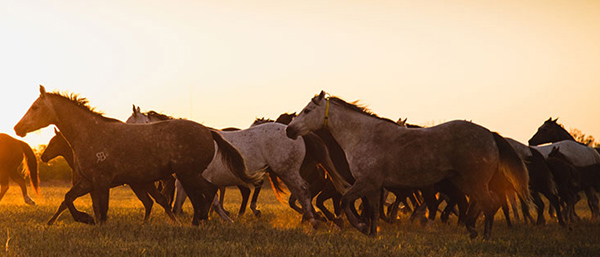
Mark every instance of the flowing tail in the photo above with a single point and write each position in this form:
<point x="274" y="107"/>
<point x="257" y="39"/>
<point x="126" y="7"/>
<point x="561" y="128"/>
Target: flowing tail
<point x="513" y="169"/>
<point x="234" y="160"/>
<point x="277" y="185"/>
<point x="31" y="166"/>
<point x="318" y="150"/>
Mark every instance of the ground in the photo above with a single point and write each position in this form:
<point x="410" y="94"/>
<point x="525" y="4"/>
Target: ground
<point x="278" y="232"/>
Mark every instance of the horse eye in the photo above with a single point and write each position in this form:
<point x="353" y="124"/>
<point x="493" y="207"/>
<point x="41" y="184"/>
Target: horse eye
<point x="306" y="111"/>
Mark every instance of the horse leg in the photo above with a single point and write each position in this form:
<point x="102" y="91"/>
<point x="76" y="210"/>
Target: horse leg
<point x="432" y="202"/>
<point x="374" y="201"/>
<point x="180" y="197"/>
<point x="592" y="199"/>
<point x="142" y="195"/>
<point x="218" y="206"/>
<point x="359" y="189"/>
<point x="191" y="185"/>
<point x="257" y="189"/>
<point x="292" y="203"/>
<point x="161" y="199"/>
<point x="21" y="182"/>
<point x="513" y="205"/>
<point x="245" y="192"/>
<point x="320" y="202"/>
<point x="540" y="206"/>
<point x="506" y="211"/>
<point x="554" y="201"/>
<point x="100" y="196"/>
<point x="75" y="192"/>
<point x="169" y="189"/>
<point x="222" y="199"/>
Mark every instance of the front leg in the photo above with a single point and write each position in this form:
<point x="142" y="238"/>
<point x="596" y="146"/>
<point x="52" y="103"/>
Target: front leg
<point x="75" y="192"/>
<point x="100" y="196"/>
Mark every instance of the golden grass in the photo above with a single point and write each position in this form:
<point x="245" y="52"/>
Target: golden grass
<point x="278" y="232"/>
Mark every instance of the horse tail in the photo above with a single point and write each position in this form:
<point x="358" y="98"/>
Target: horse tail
<point x="513" y="169"/>
<point x="316" y="148"/>
<point x="234" y="160"/>
<point x="278" y="187"/>
<point x="31" y="166"/>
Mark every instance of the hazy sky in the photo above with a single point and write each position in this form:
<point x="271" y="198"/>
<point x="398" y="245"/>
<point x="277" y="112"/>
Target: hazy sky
<point x="507" y="65"/>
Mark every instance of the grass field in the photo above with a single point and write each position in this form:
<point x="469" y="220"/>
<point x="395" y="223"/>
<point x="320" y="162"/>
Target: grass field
<point x="278" y="232"/>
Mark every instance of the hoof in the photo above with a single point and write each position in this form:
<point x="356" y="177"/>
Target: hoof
<point x="315" y="223"/>
<point x="30" y="202"/>
<point x="338" y="221"/>
<point x="363" y="228"/>
<point x="472" y="234"/>
<point x="85" y="218"/>
<point x="257" y="213"/>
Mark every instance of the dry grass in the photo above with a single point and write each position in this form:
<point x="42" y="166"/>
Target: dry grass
<point x="278" y="232"/>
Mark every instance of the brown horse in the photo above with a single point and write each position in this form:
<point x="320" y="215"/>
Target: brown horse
<point x="109" y="152"/>
<point x="12" y="152"/>
<point x="58" y="146"/>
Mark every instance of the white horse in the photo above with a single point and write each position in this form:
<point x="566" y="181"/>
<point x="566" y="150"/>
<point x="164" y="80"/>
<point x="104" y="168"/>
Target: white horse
<point x="264" y="146"/>
<point x="382" y="154"/>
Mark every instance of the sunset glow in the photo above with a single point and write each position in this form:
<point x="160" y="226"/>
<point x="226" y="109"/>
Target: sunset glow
<point x="506" y="65"/>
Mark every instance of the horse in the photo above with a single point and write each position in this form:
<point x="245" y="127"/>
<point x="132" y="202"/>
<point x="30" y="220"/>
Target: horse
<point x="550" y="132"/>
<point x="13" y="153"/>
<point x="266" y="145"/>
<point x="108" y="152"/>
<point x="58" y="146"/>
<point x="567" y="181"/>
<point x="213" y="177"/>
<point x="466" y="153"/>
<point x="320" y="185"/>
<point x="541" y="181"/>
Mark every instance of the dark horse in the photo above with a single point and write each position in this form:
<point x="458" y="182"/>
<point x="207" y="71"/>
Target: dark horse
<point x="109" y="152"/>
<point x="550" y="132"/>
<point x="58" y="146"/>
<point x="12" y="152"/>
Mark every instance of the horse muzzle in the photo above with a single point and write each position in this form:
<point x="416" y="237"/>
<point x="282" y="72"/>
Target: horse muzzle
<point x="19" y="131"/>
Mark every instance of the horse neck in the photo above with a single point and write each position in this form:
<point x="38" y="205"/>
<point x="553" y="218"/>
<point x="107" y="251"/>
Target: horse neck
<point x="350" y="127"/>
<point x="76" y="124"/>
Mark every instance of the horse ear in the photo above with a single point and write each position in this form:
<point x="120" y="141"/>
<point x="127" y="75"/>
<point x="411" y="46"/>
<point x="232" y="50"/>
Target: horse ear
<point x="133" y="108"/>
<point x="55" y="131"/>
<point x="42" y="90"/>
<point x="555" y="120"/>
<point x="321" y="95"/>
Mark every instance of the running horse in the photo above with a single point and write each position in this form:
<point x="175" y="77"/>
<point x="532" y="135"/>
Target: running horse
<point x="463" y="152"/>
<point x="108" y="151"/>
<point x="58" y="146"/>
<point x="12" y="153"/>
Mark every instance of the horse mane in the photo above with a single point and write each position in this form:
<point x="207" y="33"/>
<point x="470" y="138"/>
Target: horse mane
<point x="262" y="120"/>
<point x="159" y="116"/>
<point x="355" y="106"/>
<point x="81" y="102"/>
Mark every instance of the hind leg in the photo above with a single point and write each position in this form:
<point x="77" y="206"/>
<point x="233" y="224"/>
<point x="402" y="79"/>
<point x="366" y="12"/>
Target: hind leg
<point x="142" y="194"/>
<point x="245" y="192"/>
<point x="360" y="188"/>
<point x="23" y="185"/>
<point x="180" y="197"/>
<point x="253" y="206"/>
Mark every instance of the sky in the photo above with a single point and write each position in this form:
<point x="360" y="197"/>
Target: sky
<point x="506" y="65"/>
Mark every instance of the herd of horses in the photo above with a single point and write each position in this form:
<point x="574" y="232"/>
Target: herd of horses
<point x="332" y="149"/>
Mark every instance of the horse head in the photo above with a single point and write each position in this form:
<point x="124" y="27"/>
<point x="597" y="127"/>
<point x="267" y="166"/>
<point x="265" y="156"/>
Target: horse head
<point x="40" y="115"/>
<point x="137" y="116"/>
<point x="313" y="117"/>
<point x="549" y="132"/>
